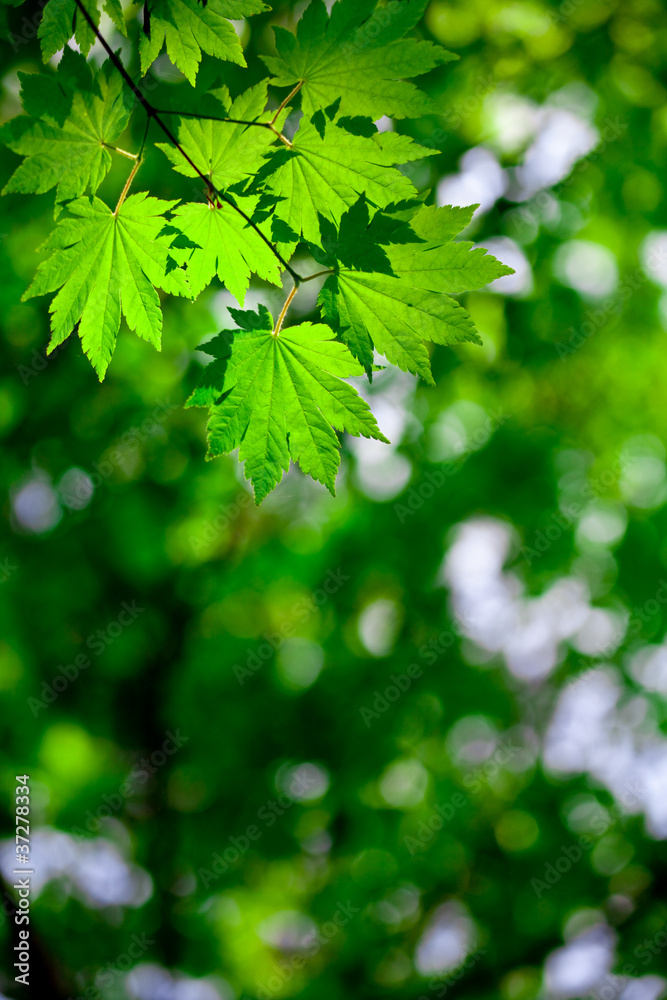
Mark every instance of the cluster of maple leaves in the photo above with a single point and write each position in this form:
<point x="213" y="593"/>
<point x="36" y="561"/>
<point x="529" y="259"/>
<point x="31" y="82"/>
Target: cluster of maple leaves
<point x="275" y="391"/>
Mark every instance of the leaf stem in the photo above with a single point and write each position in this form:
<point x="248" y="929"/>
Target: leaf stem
<point x="318" y="274"/>
<point x="128" y="182"/>
<point x="295" y="289"/>
<point x="123" y="152"/>
<point x="283" y="138"/>
<point x="152" y="113"/>
<point x="283" y="311"/>
<point x="284" y="103"/>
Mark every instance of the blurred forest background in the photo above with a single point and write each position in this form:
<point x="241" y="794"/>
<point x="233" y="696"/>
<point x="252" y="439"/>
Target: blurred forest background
<point x="405" y="742"/>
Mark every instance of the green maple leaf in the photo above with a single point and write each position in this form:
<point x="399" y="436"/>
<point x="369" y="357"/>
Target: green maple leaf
<point x="221" y="242"/>
<point x="115" y="11"/>
<point x="281" y="397"/>
<point x="361" y="242"/>
<point x="106" y="263"/>
<point x="328" y="167"/>
<point x="360" y="55"/>
<point x="189" y="27"/>
<point x="74" y="117"/>
<point x="226" y="153"/>
<point x="49" y="96"/>
<point x="396" y="308"/>
<point x="438" y="264"/>
<point x="62" y="18"/>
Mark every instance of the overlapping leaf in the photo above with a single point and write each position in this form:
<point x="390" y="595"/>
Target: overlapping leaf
<point x="105" y="264"/>
<point x="408" y="300"/>
<point x="277" y="395"/>
<point x="63" y="18"/>
<point x="360" y="55"/>
<point x="281" y="397"/>
<point x="189" y="28"/>
<point x="438" y="264"/>
<point x="328" y="167"/>
<point x="221" y="242"/>
<point x="226" y="153"/>
<point x="71" y="121"/>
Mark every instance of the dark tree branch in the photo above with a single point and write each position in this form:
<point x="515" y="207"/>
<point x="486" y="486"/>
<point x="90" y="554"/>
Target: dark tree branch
<point x="155" y="115"/>
<point x="231" y="121"/>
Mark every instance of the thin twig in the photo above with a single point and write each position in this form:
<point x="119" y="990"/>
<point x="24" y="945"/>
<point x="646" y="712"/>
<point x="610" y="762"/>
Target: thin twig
<point x="283" y="311"/>
<point x="229" y="121"/>
<point x="209" y="118"/>
<point x="140" y="154"/>
<point x="152" y="113"/>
